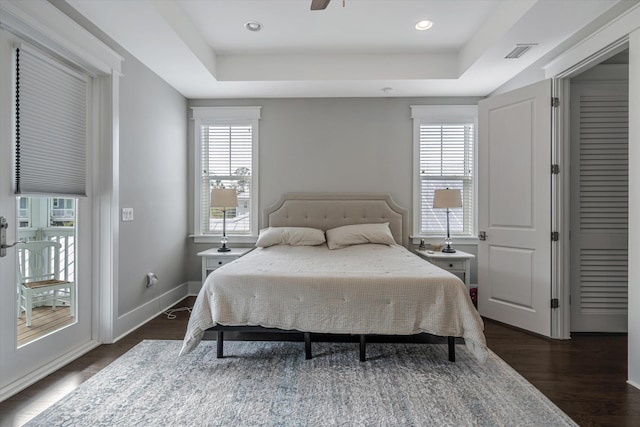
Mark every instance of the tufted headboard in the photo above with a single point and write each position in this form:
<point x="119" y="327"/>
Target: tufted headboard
<point x="329" y="210"/>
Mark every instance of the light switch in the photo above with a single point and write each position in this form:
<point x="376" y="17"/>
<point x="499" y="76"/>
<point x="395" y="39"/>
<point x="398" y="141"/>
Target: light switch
<point x="127" y="214"/>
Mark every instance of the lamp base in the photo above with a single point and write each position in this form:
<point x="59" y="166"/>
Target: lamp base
<point x="448" y="250"/>
<point x="224" y="249"/>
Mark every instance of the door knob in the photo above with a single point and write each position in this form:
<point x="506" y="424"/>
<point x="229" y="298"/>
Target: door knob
<point x="3" y="237"/>
<point x="482" y="235"/>
<point x="13" y="244"/>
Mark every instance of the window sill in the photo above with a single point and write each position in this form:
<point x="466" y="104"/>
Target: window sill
<point x="216" y="239"/>
<point x="457" y="240"/>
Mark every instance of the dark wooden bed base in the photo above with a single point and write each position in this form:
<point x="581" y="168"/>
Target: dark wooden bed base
<point x="220" y="330"/>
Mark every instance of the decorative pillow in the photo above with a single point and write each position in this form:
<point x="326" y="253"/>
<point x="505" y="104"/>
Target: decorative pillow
<point x="341" y="237"/>
<point x="294" y="236"/>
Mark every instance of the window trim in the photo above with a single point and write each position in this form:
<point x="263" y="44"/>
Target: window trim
<point x="228" y="116"/>
<point x="442" y="114"/>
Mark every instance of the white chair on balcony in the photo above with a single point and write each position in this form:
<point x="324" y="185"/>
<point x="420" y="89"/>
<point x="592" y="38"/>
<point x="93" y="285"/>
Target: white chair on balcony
<point x="41" y="281"/>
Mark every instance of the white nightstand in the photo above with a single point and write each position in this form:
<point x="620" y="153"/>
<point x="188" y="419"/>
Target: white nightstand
<point x="212" y="259"/>
<point x="457" y="262"/>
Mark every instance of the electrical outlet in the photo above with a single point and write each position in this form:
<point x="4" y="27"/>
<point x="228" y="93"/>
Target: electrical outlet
<point x="151" y="279"/>
<point x="127" y="214"/>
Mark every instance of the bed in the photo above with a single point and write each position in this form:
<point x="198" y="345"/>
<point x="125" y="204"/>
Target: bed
<point x="344" y="285"/>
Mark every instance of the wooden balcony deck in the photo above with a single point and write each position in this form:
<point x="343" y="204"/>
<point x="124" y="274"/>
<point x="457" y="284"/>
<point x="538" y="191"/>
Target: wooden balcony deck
<point x="43" y="321"/>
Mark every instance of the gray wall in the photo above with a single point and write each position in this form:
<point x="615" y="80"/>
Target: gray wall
<point x="329" y="144"/>
<point x="153" y="178"/>
<point x="153" y="181"/>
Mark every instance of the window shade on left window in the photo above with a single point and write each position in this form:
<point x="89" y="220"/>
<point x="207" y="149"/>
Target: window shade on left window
<point x="50" y="126"/>
<point x="227" y="162"/>
<point x="226" y="149"/>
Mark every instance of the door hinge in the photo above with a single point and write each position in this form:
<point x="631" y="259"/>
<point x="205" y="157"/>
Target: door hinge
<point x="555" y="169"/>
<point x="555" y="303"/>
<point x="555" y="236"/>
<point x="555" y="102"/>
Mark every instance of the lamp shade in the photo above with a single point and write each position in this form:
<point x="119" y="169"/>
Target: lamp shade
<point x="224" y="198"/>
<point x="447" y="198"/>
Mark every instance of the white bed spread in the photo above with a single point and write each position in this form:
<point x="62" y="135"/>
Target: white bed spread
<point x="361" y="289"/>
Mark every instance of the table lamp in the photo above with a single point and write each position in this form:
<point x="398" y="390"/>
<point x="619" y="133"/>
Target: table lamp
<point x="224" y="198"/>
<point x="447" y="198"/>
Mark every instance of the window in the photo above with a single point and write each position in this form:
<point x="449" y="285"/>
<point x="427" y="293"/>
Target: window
<point x="62" y="212"/>
<point x="444" y="157"/>
<point x="44" y="212"/>
<point x="226" y="155"/>
<point x="24" y="212"/>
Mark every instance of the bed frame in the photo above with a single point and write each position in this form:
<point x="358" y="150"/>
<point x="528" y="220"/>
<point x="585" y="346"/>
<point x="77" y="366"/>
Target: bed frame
<point x="325" y="211"/>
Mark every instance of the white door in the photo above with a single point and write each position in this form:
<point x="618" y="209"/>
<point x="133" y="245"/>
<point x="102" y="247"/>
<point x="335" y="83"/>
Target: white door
<point x="23" y="362"/>
<point x="514" y="208"/>
<point x="599" y="206"/>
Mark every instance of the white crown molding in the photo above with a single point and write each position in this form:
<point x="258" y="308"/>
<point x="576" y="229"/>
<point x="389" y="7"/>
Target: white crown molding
<point x="611" y="36"/>
<point x="41" y="23"/>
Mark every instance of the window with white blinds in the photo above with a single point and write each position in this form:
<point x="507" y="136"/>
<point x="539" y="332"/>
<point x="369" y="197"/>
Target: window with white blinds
<point x="51" y="119"/>
<point x="227" y="156"/>
<point x="444" y="147"/>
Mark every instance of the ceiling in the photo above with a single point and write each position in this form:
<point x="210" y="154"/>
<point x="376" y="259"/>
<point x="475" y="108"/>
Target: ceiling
<point x="362" y="48"/>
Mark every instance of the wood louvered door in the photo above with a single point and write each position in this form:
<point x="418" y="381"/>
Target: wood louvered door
<point x="599" y="207"/>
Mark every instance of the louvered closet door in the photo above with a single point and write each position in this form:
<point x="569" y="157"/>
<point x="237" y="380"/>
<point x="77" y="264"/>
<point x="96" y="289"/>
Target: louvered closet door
<point x="599" y="206"/>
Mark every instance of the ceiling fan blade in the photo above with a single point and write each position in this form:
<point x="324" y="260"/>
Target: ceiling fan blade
<point x="319" y="4"/>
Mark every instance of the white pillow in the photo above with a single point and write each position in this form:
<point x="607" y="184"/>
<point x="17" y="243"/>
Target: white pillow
<point x="294" y="236"/>
<point x="341" y="237"/>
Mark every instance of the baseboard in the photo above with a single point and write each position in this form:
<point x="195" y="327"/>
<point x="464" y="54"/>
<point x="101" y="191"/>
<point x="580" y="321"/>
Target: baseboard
<point x="35" y="376"/>
<point x="634" y="384"/>
<point x="137" y="317"/>
<point x="194" y="288"/>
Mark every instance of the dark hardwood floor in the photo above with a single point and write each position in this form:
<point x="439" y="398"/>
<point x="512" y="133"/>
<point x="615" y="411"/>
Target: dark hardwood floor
<point x="584" y="376"/>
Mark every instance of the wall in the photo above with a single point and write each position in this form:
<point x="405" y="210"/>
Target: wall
<point x="153" y="180"/>
<point x="329" y="144"/>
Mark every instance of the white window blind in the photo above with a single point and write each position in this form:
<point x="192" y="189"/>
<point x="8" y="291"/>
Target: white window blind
<point x="445" y="159"/>
<point x="226" y="163"/>
<point x="227" y="153"/>
<point x="51" y="126"/>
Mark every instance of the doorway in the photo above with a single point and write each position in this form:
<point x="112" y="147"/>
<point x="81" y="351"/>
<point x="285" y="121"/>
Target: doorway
<point x="598" y="261"/>
<point x="46" y="265"/>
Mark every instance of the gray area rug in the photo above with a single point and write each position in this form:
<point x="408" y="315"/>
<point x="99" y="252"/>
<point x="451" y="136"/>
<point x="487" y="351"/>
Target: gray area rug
<point x="271" y="383"/>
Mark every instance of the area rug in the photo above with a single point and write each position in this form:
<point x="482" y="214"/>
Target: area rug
<point x="271" y="384"/>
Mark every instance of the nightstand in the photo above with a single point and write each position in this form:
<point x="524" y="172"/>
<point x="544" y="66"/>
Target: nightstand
<point x="457" y="262"/>
<point x="212" y="259"/>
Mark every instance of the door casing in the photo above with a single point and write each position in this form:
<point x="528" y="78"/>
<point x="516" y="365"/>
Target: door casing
<point x="47" y="25"/>
<point x="561" y="191"/>
<point x="514" y="148"/>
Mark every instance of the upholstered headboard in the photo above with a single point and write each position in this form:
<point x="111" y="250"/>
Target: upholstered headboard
<point x="329" y="210"/>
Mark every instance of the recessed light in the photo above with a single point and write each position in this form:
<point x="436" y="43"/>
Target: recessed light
<point x="424" y="25"/>
<point x="253" y="26"/>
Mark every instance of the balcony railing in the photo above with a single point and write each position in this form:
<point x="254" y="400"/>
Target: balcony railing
<point x="63" y="213"/>
<point x="67" y="239"/>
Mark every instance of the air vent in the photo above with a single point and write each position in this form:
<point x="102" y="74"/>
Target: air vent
<point x="519" y="50"/>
